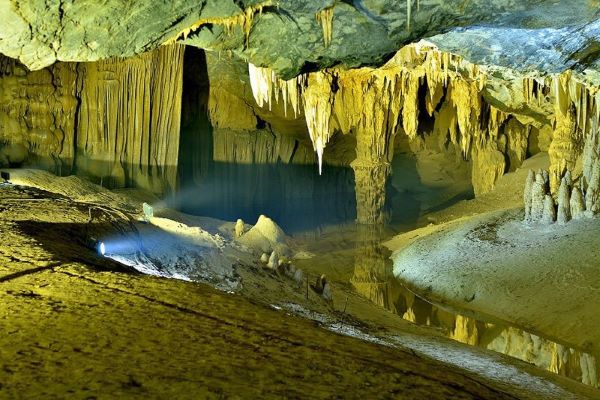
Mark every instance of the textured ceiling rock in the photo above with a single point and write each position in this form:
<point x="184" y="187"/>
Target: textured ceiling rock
<point x="286" y="35"/>
<point x="548" y="49"/>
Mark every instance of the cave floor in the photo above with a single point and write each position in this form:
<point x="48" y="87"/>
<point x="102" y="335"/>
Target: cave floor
<point x="78" y="325"/>
<point x="480" y="257"/>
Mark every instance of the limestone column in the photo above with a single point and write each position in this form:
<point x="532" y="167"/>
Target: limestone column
<point x="372" y="168"/>
<point x="564" y="149"/>
<point x="373" y="277"/>
<point x="370" y="179"/>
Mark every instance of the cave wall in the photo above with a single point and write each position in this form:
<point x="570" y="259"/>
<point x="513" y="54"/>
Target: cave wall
<point x="238" y="160"/>
<point x="492" y="117"/>
<point x="243" y="132"/>
<point x="37" y="115"/>
<point x="116" y="121"/>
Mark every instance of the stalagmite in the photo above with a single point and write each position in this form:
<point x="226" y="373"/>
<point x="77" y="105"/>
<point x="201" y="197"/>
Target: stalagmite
<point x="239" y="228"/>
<point x="273" y="261"/>
<point x="327" y="293"/>
<point x="320" y="284"/>
<point x="592" y="195"/>
<point x="549" y="213"/>
<point x="299" y="277"/>
<point x="527" y="194"/>
<point x="577" y="204"/>
<point x="564" y="202"/>
<point x="538" y="195"/>
<point x="568" y="178"/>
<point x="290" y="270"/>
<point x="546" y="176"/>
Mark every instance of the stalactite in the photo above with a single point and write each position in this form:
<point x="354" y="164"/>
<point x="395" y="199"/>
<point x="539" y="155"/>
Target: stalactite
<point x="266" y="87"/>
<point x="318" y="105"/>
<point x="576" y="114"/>
<point x="375" y="103"/>
<point x="129" y="118"/>
<point x="325" y="18"/>
<point x="244" y="20"/>
<point x="116" y="120"/>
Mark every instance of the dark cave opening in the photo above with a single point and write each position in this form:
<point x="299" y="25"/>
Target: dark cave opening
<point x="294" y="195"/>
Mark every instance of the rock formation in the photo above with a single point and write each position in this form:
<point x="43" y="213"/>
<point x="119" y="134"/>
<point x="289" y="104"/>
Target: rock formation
<point x="577" y="204"/>
<point x="592" y="195"/>
<point x="463" y="99"/>
<point x="239" y="228"/>
<point x="549" y="212"/>
<point x="570" y="200"/>
<point x="116" y="121"/>
<point x="492" y="115"/>
<point x="324" y="33"/>
<point x="529" y="182"/>
<point x="273" y="262"/>
<point x="564" y="202"/>
<point x="538" y="197"/>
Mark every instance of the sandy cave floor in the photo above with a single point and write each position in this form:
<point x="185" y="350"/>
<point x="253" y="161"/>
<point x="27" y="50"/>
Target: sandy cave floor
<point x="77" y="324"/>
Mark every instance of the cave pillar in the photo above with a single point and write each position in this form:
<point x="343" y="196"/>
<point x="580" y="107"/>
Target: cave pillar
<point x="373" y="276"/>
<point x="370" y="179"/>
<point x="372" y="168"/>
<point x="564" y="149"/>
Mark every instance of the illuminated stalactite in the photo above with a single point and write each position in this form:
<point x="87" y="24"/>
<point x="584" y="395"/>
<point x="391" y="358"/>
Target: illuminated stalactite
<point x="243" y="20"/>
<point x="266" y="87"/>
<point x="114" y="120"/>
<point x="318" y="106"/>
<point x="376" y="103"/>
<point x="325" y="18"/>
<point x="129" y="119"/>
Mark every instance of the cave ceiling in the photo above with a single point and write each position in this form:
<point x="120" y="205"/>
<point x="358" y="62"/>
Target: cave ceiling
<point x="291" y="36"/>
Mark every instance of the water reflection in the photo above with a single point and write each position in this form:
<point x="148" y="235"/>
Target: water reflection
<point x="373" y="279"/>
<point x="293" y="195"/>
